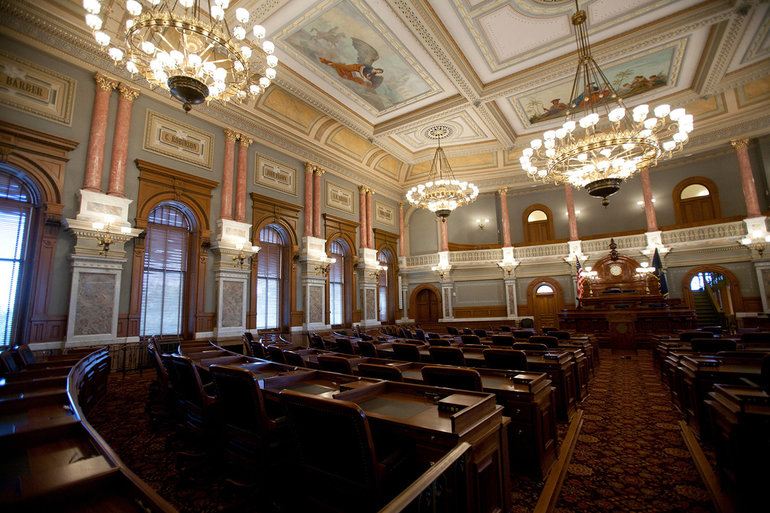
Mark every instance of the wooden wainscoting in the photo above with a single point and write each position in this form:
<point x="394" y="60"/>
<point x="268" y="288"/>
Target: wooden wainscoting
<point x="471" y="312"/>
<point x="752" y="304"/>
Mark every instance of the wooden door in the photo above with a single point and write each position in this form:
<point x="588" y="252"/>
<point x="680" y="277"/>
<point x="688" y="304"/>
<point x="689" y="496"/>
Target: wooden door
<point x="426" y="307"/>
<point x="545" y="309"/>
<point x="697" y="209"/>
<point x="538" y="231"/>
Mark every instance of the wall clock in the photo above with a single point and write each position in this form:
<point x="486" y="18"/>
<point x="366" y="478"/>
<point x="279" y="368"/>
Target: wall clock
<point x="616" y="270"/>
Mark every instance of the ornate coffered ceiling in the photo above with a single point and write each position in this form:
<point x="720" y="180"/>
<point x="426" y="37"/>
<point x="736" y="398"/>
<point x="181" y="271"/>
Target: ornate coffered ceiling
<point x="360" y="81"/>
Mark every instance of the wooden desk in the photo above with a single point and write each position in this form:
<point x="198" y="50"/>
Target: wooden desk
<point x="412" y="411"/>
<point x="742" y="440"/>
<point x="532" y="436"/>
<point x="627" y="327"/>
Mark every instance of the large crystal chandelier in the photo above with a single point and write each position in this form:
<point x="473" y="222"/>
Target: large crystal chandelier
<point x="442" y="193"/>
<point x="189" y="50"/>
<point x="598" y="152"/>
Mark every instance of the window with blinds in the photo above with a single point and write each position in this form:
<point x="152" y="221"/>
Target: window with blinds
<point x="337" y="283"/>
<point x="15" y="210"/>
<point x="384" y="258"/>
<point x="165" y="266"/>
<point x="269" y="266"/>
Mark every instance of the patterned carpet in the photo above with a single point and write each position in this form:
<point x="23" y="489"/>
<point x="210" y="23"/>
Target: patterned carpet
<point x="630" y="455"/>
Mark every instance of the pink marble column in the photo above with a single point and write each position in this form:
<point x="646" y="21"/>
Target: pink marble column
<point x="401" y="234"/>
<point x="96" y="140"/>
<point x="573" y="233"/>
<point x="444" y="235"/>
<point x="506" y="222"/>
<point x="227" y="175"/>
<point x="240" y="182"/>
<point x="120" y="140"/>
<point x="649" y="206"/>
<point x="308" y="232"/>
<point x="747" y="177"/>
<point x="317" y="202"/>
<point x="362" y="228"/>
<point x="369" y="227"/>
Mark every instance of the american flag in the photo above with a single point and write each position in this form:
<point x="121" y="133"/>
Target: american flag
<point x="580" y="279"/>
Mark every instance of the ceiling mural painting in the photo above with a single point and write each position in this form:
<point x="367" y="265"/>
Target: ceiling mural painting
<point x="349" y="47"/>
<point x="639" y="75"/>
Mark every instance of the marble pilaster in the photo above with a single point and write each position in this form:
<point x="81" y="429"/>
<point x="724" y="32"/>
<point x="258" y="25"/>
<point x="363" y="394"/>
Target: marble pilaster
<point x="401" y="231"/>
<point x="505" y="221"/>
<point x="120" y="140"/>
<point x="240" y="182"/>
<point x="308" y="228"/>
<point x="511" y="302"/>
<point x="226" y="211"/>
<point x="317" y="203"/>
<point x="362" y="217"/>
<point x="747" y="177"/>
<point x="98" y="134"/>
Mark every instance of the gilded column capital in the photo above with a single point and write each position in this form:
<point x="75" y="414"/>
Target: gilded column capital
<point x="401" y="205"/>
<point x="105" y="83"/>
<point x="309" y="167"/>
<point x="129" y="93"/>
<point x="369" y="192"/>
<point x="317" y="170"/>
<point x="739" y="143"/>
<point x="230" y="135"/>
<point x="245" y="141"/>
<point x="503" y="191"/>
<point x="362" y="189"/>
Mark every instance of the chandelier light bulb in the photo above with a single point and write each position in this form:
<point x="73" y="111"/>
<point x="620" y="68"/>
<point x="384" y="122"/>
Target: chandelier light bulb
<point x="617" y="114"/>
<point x="259" y="31"/>
<point x="268" y="47"/>
<point x="254" y="89"/>
<point x="189" y="3"/>
<point x="238" y="66"/>
<point x="272" y="61"/>
<point x="220" y="74"/>
<point x="640" y="113"/>
<point x="650" y="123"/>
<point x="676" y="114"/>
<point x="115" y="53"/>
<point x="92" y="6"/>
<point x="177" y="56"/>
<point x="536" y="144"/>
<point x="264" y="82"/>
<point x="242" y="15"/>
<point x="246" y="52"/>
<point x="661" y="111"/>
<point x="217" y="12"/>
<point x="131" y="67"/>
<point x="239" y="33"/>
<point x="569" y="126"/>
<point x="148" y="47"/>
<point x="224" y="4"/>
<point x="102" y="38"/>
<point x="270" y="73"/>
<point x="93" y="21"/>
<point x="194" y="60"/>
<point x="134" y="7"/>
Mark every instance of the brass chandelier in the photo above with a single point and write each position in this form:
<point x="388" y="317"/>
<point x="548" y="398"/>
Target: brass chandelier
<point x="599" y="151"/>
<point x="442" y="193"/>
<point x="189" y="50"/>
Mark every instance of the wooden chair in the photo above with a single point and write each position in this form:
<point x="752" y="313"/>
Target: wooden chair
<point x="470" y="339"/>
<point x="377" y="371"/>
<point x="344" y="345"/>
<point x="367" y="348"/>
<point x="251" y="435"/>
<point x="506" y="329"/>
<point x="199" y="412"/>
<point x="549" y="341"/>
<point x="687" y="336"/>
<point x="509" y="359"/>
<point x="502" y="340"/>
<point x="756" y="337"/>
<point x="432" y="336"/>
<point x="452" y="377"/>
<point x="528" y="346"/>
<point x="561" y="335"/>
<point x="333" y="363"/>
<point x="522" y="334"/>
<point x="447" y="355"/>
<point x="275" y="354"/>
<point x="452" y="330"/>
<point x="337" y="462"/>
<point x="293" y="358"/>
<point x="480" y="333"/>
<point x="527" y="323"/>
<point x="247" y="350"/>
<point x="467" y="331"/>
<point x="413" y="341"/>
<point x="439" y="342"/>
<point x="419" y="334"/>
<point x="258" y="349"/>
<point x="548" y="329"/>
<point x="316" y="342"/>
<point x="406" y="352"/>
<point x="711" y="345"/>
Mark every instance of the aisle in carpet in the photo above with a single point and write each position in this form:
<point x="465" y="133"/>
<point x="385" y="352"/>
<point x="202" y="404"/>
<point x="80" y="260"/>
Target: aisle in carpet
<point x="630" y="454"/>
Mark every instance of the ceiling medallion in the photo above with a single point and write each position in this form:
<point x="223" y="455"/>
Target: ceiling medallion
<point x="607" y="150"/>
<point x="190" y="51"/>
<point x="442" y="193"/>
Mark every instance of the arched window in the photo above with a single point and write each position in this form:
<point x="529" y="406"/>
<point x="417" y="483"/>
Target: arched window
<point x="165" y="269"/>
<point x="270" y="263"/>
<point x="696" y="199"/>
<point x="544" y="289"/>
<point x="386" y="313"/>
<point x="337" y="295"/>
<point x="16" y="209"/>
<point x="538" y="224"/>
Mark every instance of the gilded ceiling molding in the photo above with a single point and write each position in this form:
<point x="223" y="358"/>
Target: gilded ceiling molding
<point x="497" y="125"/>
<point x="323" y="129"/>
<point x="720" y="49"/>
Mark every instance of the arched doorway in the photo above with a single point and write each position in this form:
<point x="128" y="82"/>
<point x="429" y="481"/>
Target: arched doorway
<point x="425" y="304"/>
<point x="545" y="298"/>
<point x="713" y="292"/>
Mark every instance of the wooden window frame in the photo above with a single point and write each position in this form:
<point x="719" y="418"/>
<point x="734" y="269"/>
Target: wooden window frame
<point x="713" y="194"/>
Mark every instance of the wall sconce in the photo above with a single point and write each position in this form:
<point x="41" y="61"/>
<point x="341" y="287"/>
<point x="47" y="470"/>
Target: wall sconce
<point x="645" y="269"/>
<point x="104" y="234"/>
<point x="577" y="213"/>
<point x="323" y="267"/>
<point x="241" y="256"/>
<point x="441" y="269"/>
<point x="380" y="269"/>
<point x="482" y="223"/>
<point x="755" y="242"/>
<point x="588" y="273"/>
<point x="508" y="266"/>
<point x="641" y="203"/>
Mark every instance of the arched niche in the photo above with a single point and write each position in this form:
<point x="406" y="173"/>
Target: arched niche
<point x="735" y="286"/>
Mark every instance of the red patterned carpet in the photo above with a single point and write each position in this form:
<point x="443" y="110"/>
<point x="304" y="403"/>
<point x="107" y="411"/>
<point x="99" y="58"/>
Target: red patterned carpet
<point x="630" y="455"/>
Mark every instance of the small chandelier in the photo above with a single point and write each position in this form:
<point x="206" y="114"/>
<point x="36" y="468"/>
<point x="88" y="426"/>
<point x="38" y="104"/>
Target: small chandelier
<point x="189" y="51"/>
<point x="442" y="193"/>
<point x="603" y="152"/>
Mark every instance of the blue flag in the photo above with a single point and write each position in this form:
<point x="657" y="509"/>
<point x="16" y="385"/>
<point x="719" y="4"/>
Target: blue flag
<point x="658" y="265"/>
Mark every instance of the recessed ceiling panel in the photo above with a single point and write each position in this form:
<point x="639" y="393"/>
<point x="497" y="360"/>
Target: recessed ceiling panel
<point x="465" y="127"/>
